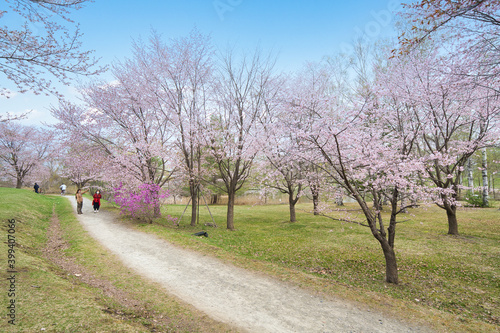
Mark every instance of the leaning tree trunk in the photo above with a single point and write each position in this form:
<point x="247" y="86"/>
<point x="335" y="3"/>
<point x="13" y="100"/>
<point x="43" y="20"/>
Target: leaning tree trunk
<point x="391" y="267"/>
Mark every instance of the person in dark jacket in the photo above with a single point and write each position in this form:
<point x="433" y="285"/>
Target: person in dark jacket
<point x="36" y="187"/>
<point x="97" y="201"/>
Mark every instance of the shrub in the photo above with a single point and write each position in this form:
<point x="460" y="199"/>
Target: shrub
<point x="143" y="203"/>
<point x="474" y="200"/>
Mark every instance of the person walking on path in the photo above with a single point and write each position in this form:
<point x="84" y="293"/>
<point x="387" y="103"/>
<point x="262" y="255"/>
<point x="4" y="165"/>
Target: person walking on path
<point x="79" y="200"/>
<point x="97" y="201"/>
<point x="63" y="189"/>
<point x="36" y="187"/>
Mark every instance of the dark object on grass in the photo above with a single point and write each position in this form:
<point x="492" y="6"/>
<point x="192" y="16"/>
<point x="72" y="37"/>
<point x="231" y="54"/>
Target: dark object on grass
<point x="201" y="233"/>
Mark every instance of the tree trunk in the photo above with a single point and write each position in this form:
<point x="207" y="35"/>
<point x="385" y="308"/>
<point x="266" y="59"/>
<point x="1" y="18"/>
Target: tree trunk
<point x="391" y="267"/>
<point x="231" y="195"/>
<point x="451" y="213"/>
<point x="291" y="204"/>
<point x="194" y="210"/>
<point x="157" y="206"/>
<point x="485" y="178"/>
<point x="19" y="183"/>
<point x="157" y="212"/>
<point x="470" y="175"/>
<point x="214" y="199"/>
<point x="194" y="204"/>
<point x="316" y="203"/>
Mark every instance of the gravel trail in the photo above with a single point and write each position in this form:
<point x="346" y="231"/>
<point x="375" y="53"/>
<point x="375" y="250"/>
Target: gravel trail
<point x="248" y="301"/>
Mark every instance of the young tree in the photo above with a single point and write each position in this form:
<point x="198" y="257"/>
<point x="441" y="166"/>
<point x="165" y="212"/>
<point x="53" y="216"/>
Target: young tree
<point x="370" y="162"/>
<point x="362" y="145"/>
<point x="283" y="170"/>
<point x="310" y="90"/>
<point x="242" y="91"/>
<point x="23" y="150"/>
<point x="43" y="46"/>
<point x="180" y="77"/>
<point x="315" y="178"/>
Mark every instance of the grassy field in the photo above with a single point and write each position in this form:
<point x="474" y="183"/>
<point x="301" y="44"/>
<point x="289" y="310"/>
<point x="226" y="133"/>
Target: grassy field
<point x="452" y="282"/>
<point x="51" y="299"/>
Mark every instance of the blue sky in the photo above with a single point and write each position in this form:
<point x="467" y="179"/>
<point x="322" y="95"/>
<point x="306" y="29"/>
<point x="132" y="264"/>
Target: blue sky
<point x="297" y="31"/>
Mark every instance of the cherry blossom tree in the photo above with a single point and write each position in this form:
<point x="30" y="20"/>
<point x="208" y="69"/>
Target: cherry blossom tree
<point x="310" y="89"/>
<point x="282" y="167"/>
<point x="361" y="145"/>
<point x="120" y="119"/>
<point x="243" y="89"/>
<point x="370" y="163"/>
<point x="315" y="177"/>
<point x="82" y="163"/>
<point x="282" y="170"/>
<point x="457" y="116"/>
<point x="23" y="150"/>
<point x="180" y="75"/>
<point x="464" y="18"/>
<point x="468" y="30"/>
<point x="43" y="45"/>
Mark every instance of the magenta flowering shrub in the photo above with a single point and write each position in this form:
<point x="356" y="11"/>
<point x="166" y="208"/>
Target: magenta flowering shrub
<point x="143" y="203"/>
<point x="173" y="220"/>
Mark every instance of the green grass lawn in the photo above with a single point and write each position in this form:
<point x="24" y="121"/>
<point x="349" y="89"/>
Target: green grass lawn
<point x="451" y="282"/>
<point x="45" y="298"/>
<point x="457" y="278"/>
<point x="50" y="299"/>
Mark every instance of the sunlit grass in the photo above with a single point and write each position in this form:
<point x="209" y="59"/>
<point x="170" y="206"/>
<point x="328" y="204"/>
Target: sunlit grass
<point x="52" y="300"/>
<point x="46" y="298"/>
<point x="459" y="275"/>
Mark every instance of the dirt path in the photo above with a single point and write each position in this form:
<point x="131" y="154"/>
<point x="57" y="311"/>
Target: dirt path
<point x="229" y="294"/>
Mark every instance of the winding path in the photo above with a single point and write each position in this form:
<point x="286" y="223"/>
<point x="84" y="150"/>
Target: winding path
<point x="246" y="300"/>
